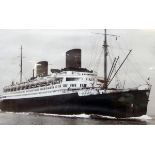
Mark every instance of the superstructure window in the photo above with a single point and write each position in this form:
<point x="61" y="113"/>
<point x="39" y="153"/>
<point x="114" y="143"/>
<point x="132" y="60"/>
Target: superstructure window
<point x="72" y="79"/>
<point x="83" y="85"/>
<point x="73" y="85"/>
<point x="64" y="85"/>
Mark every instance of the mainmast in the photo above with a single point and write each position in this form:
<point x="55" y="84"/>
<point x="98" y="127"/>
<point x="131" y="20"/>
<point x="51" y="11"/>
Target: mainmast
<point x="105" y="46"/>
<point x="21" y="64"/>
<point x="108" y="79"/>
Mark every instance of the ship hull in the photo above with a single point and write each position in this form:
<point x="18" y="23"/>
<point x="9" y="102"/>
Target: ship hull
<point x="120" y="104"/>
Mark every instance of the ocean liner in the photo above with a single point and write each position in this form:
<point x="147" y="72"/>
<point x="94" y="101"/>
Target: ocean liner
<point x="75" y="90"/>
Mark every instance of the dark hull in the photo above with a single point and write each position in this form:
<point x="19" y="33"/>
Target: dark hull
<point x="120" y="104"/>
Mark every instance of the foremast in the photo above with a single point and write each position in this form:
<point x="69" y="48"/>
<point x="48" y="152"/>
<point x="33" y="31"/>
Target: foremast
<point x="105" y="47"/>
<point x="21" y="65"/>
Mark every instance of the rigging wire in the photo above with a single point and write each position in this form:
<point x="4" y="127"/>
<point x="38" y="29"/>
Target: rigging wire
<point x="95" y="64"/>
<point x="94" y="54"/>
<point x="126" y="69"/>
<point x="120" y="66"/>
<point x="99" y="61"/>
<point x="116" y="77"/>
<point x="134" y="66"/>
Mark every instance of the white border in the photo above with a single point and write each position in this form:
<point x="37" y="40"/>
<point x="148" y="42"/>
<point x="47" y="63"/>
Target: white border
<point x="72" y="14"/>
<point x="76" y="140"/>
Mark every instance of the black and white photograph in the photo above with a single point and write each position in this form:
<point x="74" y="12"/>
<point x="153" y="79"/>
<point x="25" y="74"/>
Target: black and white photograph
<point x="94" y="76"/>
<point x="77" y="77"/>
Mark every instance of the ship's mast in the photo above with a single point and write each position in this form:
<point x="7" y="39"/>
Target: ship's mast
<point x="108" y="79"/>
<point x="21" y="64"/>
<point x="105" y="46"/>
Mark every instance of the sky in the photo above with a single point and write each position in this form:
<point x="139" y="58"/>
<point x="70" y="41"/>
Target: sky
<point x="51" y="45"/>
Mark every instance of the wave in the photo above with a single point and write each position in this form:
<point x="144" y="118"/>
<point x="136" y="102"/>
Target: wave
<point x="143" y="117"/>
<point x="91" y="116"/>
<point x="70" y="116"/>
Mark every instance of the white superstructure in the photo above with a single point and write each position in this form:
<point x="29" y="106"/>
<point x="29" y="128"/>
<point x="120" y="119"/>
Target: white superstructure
<point x="65" y="82"/>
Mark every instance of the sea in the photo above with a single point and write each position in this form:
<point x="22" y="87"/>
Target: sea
<point x="11" y="118"/>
